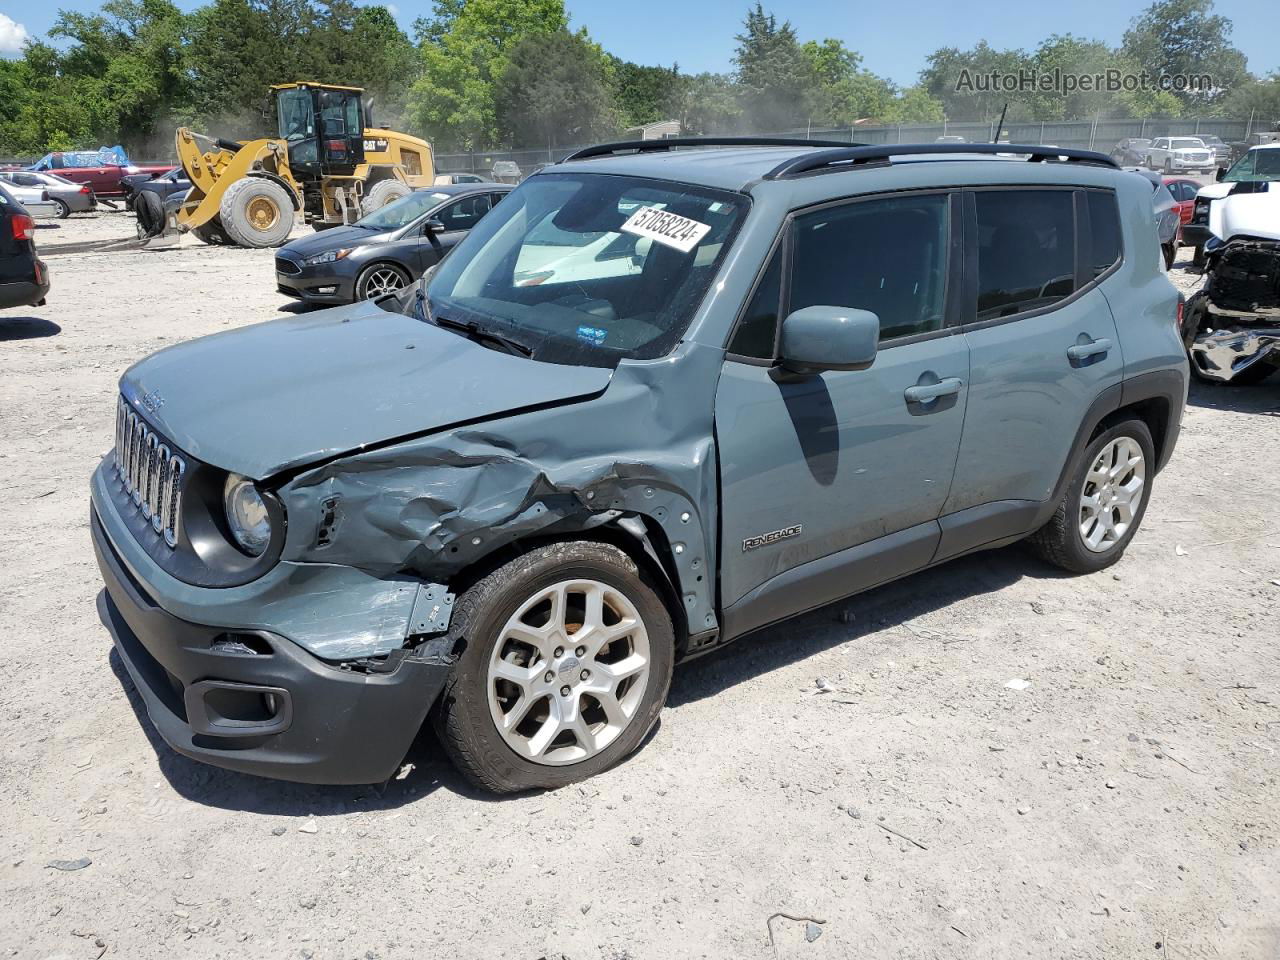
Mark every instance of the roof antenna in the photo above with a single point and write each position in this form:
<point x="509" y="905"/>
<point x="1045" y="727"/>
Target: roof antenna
<point x="1000" y="125"/>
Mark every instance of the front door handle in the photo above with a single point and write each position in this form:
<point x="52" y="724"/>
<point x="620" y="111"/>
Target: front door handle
<point x="924" y="392"/>
<point x="1083" y="351"/>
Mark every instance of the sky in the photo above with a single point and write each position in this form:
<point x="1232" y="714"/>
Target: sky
<point x="699" y="34"/>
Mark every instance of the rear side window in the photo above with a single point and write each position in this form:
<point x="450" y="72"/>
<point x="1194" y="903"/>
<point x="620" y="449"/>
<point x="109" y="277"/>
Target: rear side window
<point x="757" y="331"/>
<point x="465" y="213"/>
<point x="1104" y="231"/>
<point x="887" y="256"/>
<point x="1026" y="250"/>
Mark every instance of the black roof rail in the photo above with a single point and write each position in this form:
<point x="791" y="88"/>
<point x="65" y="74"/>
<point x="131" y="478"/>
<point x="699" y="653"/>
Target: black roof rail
<point x="845" y="157"/>
<point x="650" y="146"/>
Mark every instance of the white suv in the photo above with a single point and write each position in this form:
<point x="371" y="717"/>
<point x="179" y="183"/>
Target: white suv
<point x="1171" y="154"/>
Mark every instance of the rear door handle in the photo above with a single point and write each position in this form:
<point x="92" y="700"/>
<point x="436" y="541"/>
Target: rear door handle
<point x="1083" y="351"/>
<point x="924" y="392"/>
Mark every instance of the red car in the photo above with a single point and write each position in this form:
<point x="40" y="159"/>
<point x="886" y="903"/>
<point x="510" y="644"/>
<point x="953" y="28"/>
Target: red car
<point x="1184" y="191"/>
<point x="103" y="179"/>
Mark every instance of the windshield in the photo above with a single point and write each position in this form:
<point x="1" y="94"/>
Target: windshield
<point x="589" y="269"/>
<point x="1255" y="165"/>
<point x="402" y="212"/>
<point x="1185" y="143"/>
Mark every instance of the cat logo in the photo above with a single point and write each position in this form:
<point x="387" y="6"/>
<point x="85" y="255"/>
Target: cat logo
<point x="764" y="539"/>
<point x="375" y="146"/>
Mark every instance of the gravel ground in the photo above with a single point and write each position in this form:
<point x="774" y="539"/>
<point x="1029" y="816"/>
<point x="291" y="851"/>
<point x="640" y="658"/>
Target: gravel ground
<point x="1124" y="804"/>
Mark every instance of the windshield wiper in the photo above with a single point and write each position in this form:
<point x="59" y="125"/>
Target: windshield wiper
<point x="478" y="334"/>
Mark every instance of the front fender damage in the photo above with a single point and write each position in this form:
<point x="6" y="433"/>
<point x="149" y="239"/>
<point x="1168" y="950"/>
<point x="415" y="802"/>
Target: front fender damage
<point x="431" y="507"/>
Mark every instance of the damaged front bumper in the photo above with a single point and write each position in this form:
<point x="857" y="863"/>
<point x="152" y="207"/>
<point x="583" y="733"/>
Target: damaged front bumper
<point x="1240" y="326"/>
<point x="243" y="691"/>
<point x="1223" y="354"/>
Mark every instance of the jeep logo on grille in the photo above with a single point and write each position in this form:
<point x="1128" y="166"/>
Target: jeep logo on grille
<point x="764" y="539"/>
<point x="152" y="401"/>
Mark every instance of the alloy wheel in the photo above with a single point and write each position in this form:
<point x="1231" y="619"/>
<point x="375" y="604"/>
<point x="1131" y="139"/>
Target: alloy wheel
<point x="568" y="672"/>
<point x="1112" y="493"/>
<point x="382" y="280"/>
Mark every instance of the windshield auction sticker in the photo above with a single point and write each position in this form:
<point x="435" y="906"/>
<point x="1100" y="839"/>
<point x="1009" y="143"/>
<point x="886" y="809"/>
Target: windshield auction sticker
<point x="669" y="229"/>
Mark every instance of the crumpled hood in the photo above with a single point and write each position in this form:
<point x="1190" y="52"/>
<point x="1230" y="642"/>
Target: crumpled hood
<point x="296" y="390"/>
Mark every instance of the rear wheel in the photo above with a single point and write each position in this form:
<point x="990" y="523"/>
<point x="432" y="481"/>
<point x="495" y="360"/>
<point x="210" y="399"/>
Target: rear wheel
<point x="1104" y="503"/>
<point x="382" y="193"/>
<point x="379" y="278"/>
<point x="256" y="212"/>
<point x="213" y="234"/>
<point x="1170" y="250"/>
<point x="566" y="661"/>
<point x="64" y="210"/>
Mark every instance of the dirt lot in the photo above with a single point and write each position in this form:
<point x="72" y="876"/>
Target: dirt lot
<point x="1124" y="804"/>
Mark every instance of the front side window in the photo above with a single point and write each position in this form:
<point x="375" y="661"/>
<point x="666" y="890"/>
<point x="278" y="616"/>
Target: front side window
<point x="590" y="268"/>
<point x="1026" y="250"/>
<point x="886" y="256"/>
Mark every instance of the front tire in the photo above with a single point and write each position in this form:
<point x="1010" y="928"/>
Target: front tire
<point x="380" y="278"/>
<point x="1104" y="502"/>
<point x="566" y="661"/>
<point x="256" y="212"/>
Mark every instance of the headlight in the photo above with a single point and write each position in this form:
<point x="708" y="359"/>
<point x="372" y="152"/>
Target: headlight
<point x="246" y="514"/>
<point x="329" y="256"/>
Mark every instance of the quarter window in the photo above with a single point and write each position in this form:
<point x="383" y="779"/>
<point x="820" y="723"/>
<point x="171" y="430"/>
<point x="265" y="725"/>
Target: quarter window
<point x="886" y="256"/>
<point x="1104" y="231"/>
<point x="1026" y="250"/>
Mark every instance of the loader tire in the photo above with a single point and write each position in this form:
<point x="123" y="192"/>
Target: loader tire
<point x="382" y="193"/>
<point x="213" y="234"/>
<point x="150" y="213"/>
<point x="256" y="212"/>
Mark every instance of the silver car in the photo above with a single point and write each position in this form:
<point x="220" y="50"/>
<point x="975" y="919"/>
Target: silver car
<point x="67" y="197"/>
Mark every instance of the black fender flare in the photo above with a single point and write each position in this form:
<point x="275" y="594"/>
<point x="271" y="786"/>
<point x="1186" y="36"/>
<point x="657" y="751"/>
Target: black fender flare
<point x="1169" y="386"/>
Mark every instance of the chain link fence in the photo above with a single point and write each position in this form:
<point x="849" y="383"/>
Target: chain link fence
<point x="1081" y="134"/>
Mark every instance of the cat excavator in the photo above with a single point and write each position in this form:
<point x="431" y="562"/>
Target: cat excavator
<point x="327" y="163"/>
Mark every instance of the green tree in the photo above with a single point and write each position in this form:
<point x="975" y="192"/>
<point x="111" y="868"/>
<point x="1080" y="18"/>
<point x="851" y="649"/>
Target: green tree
<point x="1259" y="99"/>
<point x="453" y="99"/>
<point x="644" y="94"/>
<point x="128" y="66"/>
<point x="1072" y="56"/>
<point x="961" y="80"/>
<point x="554" y="90"/>
<point x="913" y="105"/>
<point x="775" y="78"/>
<point x="707" y="104"/>
<point x="1173" y="38"/>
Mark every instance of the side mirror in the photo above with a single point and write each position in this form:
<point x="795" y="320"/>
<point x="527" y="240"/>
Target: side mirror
<point x="433" y="226"/>
<point x="829" y="338"/>
<point x="1220" y="174"/>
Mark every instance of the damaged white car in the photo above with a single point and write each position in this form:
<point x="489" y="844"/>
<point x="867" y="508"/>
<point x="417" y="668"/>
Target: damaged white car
<point x="1232" y="325"/>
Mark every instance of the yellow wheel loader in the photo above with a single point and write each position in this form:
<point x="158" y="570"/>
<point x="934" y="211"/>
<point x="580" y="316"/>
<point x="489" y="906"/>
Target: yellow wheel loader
<point x="327" y="164"/>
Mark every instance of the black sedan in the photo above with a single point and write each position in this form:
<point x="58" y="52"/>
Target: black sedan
<point x="24" y="279"/>
<point x="386" y="250"/>
<point x="163" y="186"/>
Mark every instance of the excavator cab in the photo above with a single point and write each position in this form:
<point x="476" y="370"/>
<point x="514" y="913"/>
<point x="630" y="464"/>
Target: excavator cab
<point x="323" y="127"/>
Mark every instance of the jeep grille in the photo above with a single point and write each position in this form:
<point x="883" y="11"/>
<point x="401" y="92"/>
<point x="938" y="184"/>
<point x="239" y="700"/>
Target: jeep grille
<point x="150" y="471"/>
